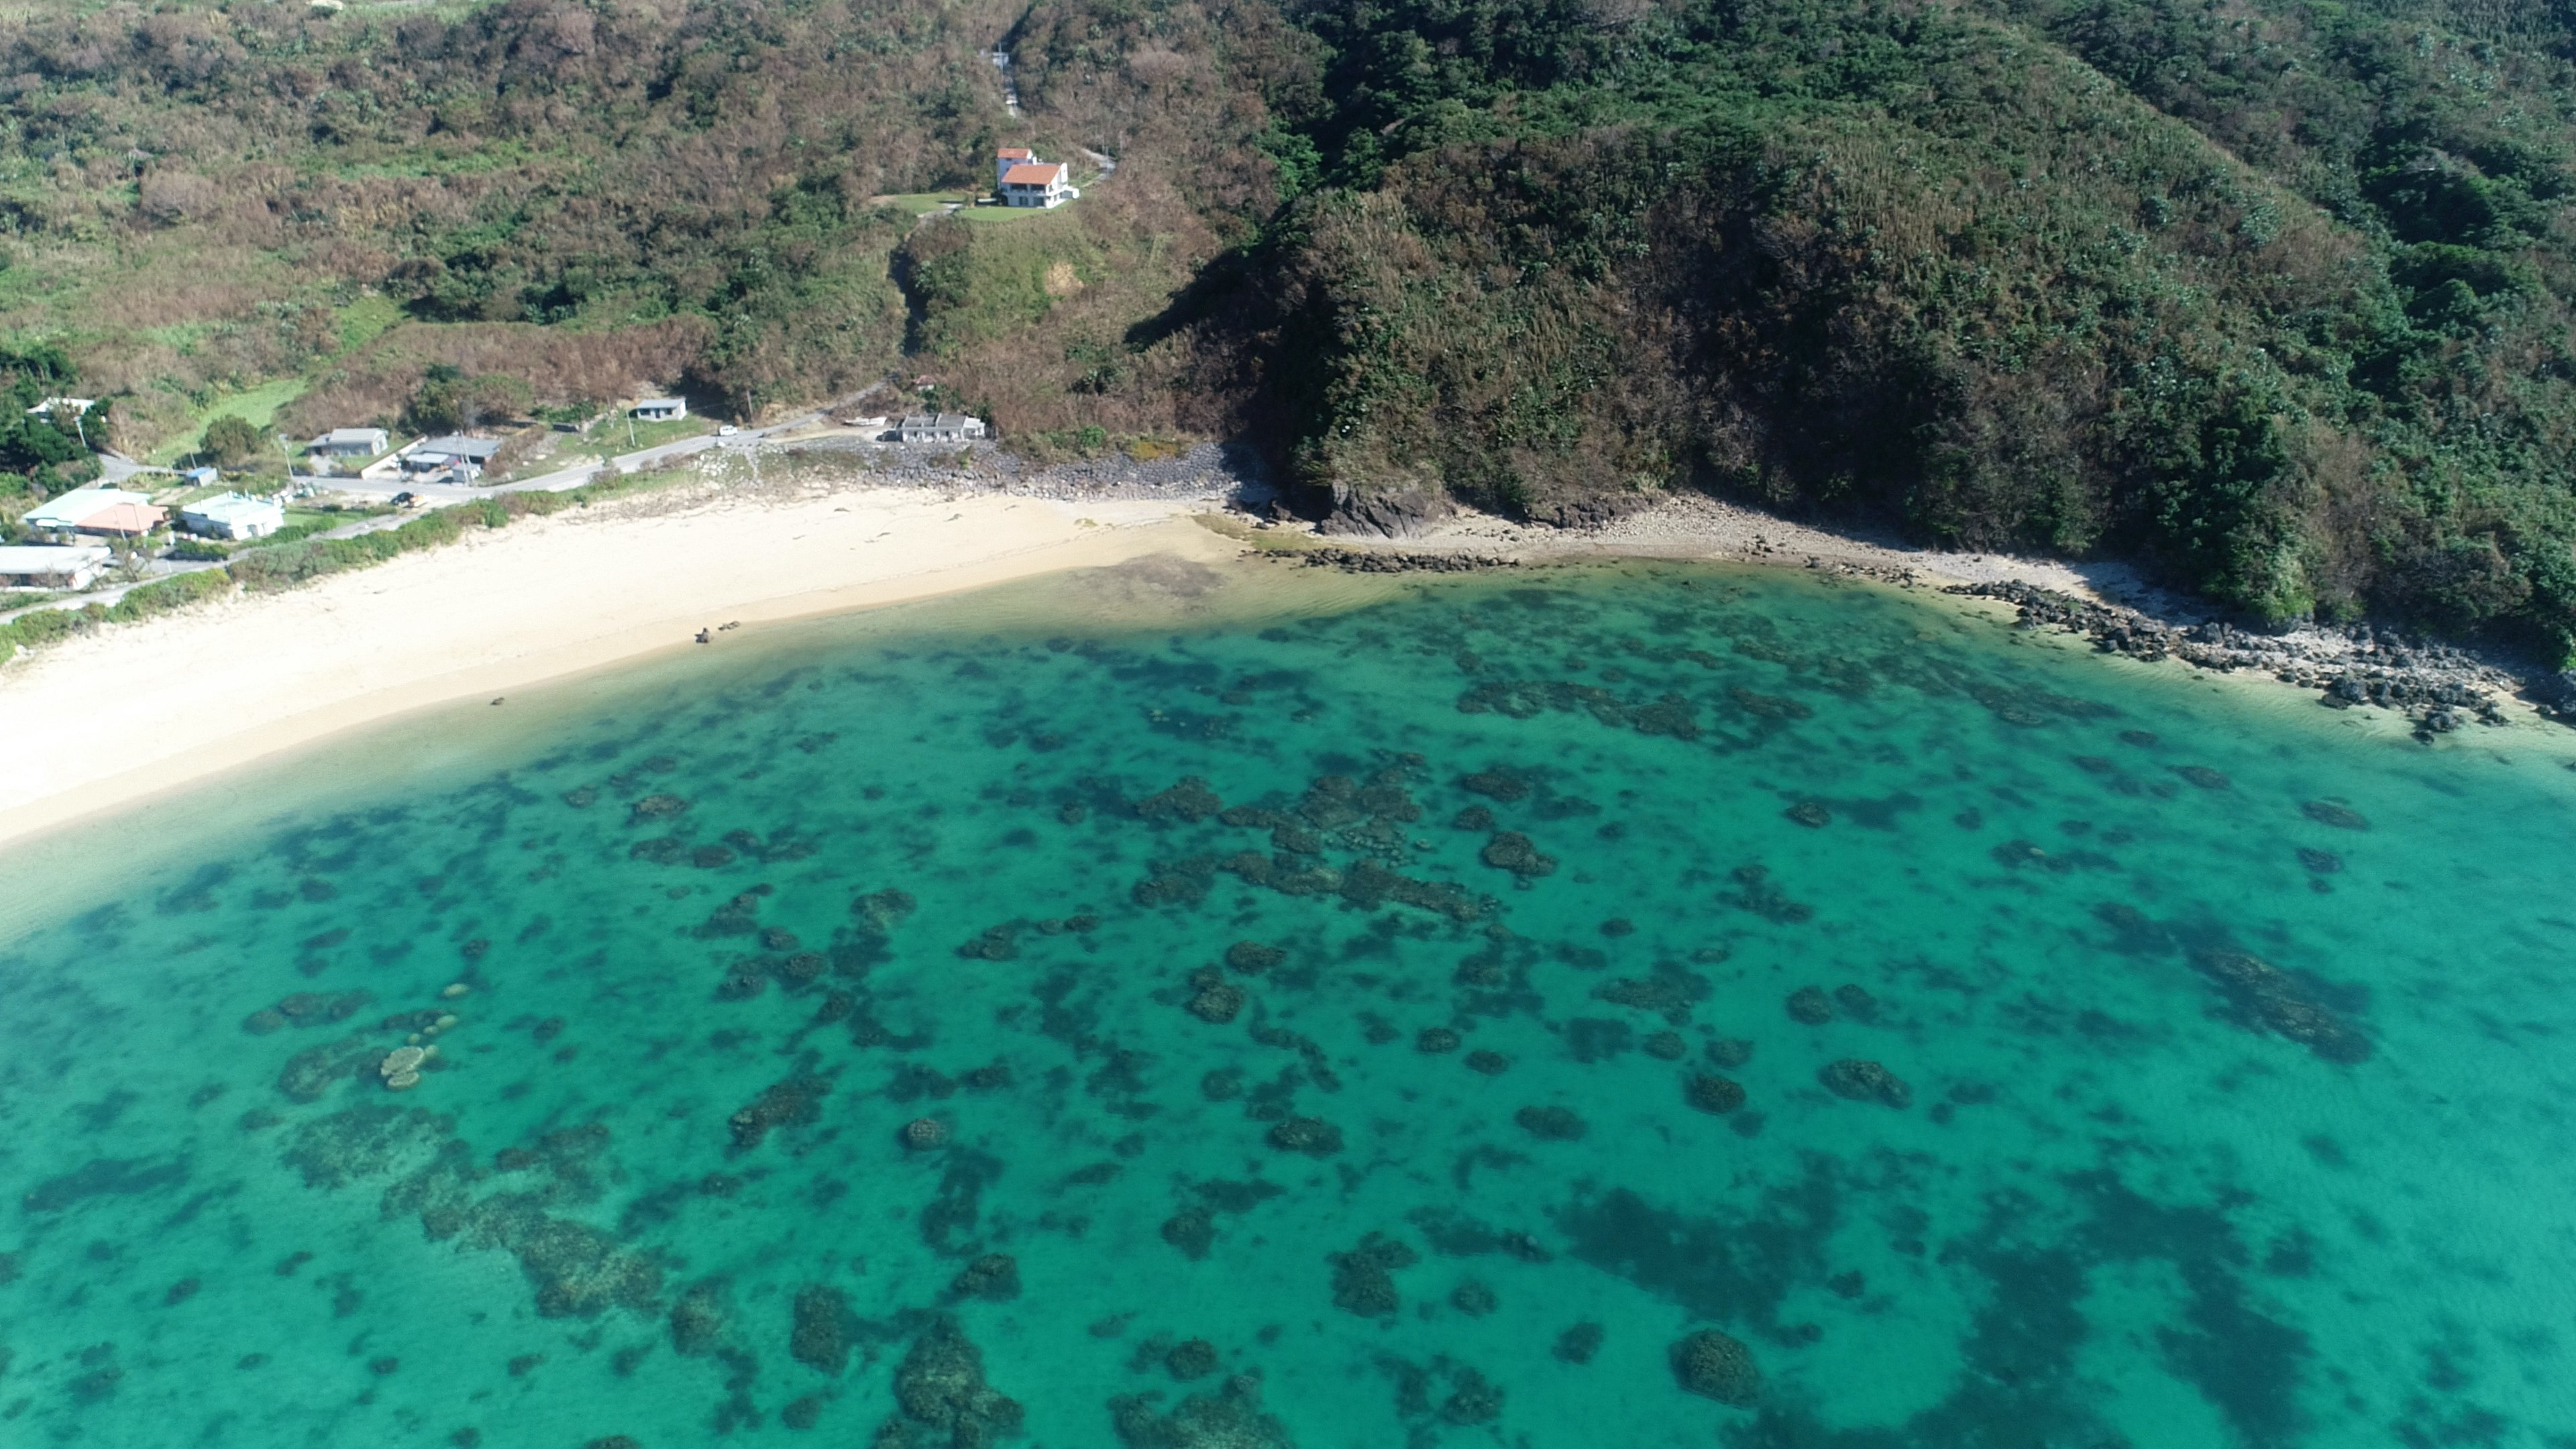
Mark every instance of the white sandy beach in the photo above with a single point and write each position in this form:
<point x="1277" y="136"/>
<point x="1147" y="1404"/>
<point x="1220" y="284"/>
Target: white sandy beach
<point x="130" y="712"/>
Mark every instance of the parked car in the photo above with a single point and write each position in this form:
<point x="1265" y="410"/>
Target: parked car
<point x="727" y="431"/>
<point x="405" y="499"/>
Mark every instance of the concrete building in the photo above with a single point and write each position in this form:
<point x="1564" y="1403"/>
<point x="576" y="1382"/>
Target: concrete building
<point x="1006" y="158"/>
<point x="97" y="510"/>
<point x="1038" y="183"/>
<point x="206" y="477"/>
<point x="232" y="515"/>
<point x="350" y="443"/>
<point x="68" y="406"/>
<point x="38" y="567"/>
<point x="941" y="428"/>
<point x="661" y="409"/>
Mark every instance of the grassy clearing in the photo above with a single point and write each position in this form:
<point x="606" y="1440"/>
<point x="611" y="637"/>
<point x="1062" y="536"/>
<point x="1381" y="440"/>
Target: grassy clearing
<point x="923" y="203"/>
<point x="257" y="406"/>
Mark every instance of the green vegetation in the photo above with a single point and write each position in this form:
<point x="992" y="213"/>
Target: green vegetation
<point x="2272" y="295"/>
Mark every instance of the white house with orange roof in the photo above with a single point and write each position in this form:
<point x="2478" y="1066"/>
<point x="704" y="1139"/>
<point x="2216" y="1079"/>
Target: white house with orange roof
<point x="1024" y="180"/>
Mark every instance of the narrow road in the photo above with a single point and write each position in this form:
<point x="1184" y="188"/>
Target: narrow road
<point x="1001" y="60"/>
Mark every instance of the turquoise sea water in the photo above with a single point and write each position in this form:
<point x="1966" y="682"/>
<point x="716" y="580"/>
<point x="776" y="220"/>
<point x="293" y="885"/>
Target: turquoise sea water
<point x="2220" y="1086"/>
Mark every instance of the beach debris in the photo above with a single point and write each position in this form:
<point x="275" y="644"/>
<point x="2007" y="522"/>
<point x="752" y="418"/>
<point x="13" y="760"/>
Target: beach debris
<point x="706" y="638"/>
<point x="496" y="703"/>
<point x="729" y="626"/>
<point x="1715" y="1366"/>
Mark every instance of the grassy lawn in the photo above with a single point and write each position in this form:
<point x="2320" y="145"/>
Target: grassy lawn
<point x="257" y="406"/>
<point x="607" y="440"/>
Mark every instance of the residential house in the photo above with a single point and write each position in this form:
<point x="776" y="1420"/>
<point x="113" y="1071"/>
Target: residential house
<point x="38" y="567"/>
<point x="97" y="510"/>
<point x="205" y="477"/>
<point x="232" y="515"/>
<point x="1038" y="183"/>
<point x="350" y="443"/>
<point x="68" y="407"/>
<point x="1005" y="159"/>
<point x="466" y="456"/>
<point x="661" y="409"/>
<point x="940" y="428"/>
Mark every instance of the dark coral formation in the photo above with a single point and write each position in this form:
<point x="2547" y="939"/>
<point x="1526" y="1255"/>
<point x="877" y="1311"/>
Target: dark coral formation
<point x="308" y="1008"/>
<point x="922" y="1134"/>
<point x="1473" y="1298"/>
<point x="1191" y="800"/>
<point x="1860" y="1081"/>
<point x="1217" y="1002"/>
<point x="1811" y="813"/>
<point x="797" y="1100"/>
<point x="994" y="1277"/>
<point x="1252" y="958"/>
<point x="1856" y="1003"/>
<point x="1310" y="1135"/>
<point x="1579" y="1343"/>
<point x="1810" y="1005"/>
<point x="1436" y="1041"/>
<point x="942" y="1397"/>
<point x="1512" y="851"/>
<point x="1231" y="1418"/>
<point x="1189" y="1359"/>
<point x="1192" y="1230"/>
<point x="1713" y="1094"/>
<point x="1364" y="1277"/>
<point x="1491" y="1064"/>
<point x="1754" y="892"/>
<point x="2271" y="999"/>
<point x="1550" y="1124"/>
<point x="819" y="1337"/>
<point x="1715" y="1366"/>
<point x="2334" y="813"/>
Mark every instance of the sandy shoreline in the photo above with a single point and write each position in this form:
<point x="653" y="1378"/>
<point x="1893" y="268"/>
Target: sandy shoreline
<point x="130" y="713"/>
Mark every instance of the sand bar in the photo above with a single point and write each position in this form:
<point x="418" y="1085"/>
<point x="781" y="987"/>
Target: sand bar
<point x="128" y="713"/>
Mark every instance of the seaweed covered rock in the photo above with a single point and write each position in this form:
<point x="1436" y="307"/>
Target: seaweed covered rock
<point x="1860" y="1081"/>
<point x="1312" y="1136"/>
<point x="1713" y="1094"/>
<point x="1191" y="801"/>
<point x="940" y="1387"/>
<point x="1579" y="1343"/>
<point x="1364" y="1277"/>
<point x="1810" y="813"/>
<point x="1436" y="1041"/>
<point x="1855" y="1002"/>
<point x="923" y="1134"/>
<point x="658" y="807"/>
<point x="1488" y="1063"/>
<point x="1714" y="1366"/>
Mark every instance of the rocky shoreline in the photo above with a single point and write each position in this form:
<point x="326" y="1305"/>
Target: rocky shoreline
<point x="2439" y="687"/>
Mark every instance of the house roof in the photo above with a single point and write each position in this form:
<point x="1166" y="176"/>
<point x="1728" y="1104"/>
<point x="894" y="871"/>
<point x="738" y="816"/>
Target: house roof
<point x="1015" y="153"/>
<point x="80" y="505"/>
<point x="124" y="518"/>
<point x="462" y="447"/>
<point x="226" y="507"/>
<point x="661" y="404"/>
<point x="372" y="437"/>
<point x="1034" y="173"/>
<point x="41" y="559"/>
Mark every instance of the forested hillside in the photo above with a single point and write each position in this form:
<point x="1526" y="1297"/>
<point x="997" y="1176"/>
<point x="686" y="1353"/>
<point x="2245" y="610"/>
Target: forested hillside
<point x="2269" y="294"/>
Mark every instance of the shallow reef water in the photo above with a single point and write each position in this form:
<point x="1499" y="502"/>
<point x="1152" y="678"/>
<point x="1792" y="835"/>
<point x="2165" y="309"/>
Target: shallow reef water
<point x="1645" y="1004"/>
